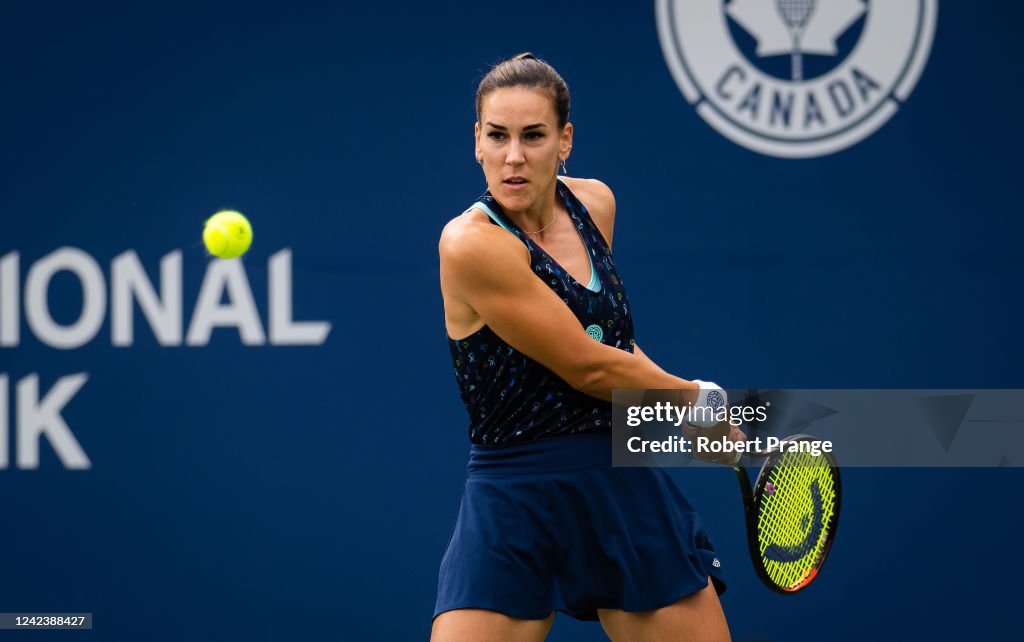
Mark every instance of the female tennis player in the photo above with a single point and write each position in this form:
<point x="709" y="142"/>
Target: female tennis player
<point x="540" y="334"/>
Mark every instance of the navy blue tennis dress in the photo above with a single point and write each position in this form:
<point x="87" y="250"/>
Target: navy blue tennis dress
<point x="546" y="523"/>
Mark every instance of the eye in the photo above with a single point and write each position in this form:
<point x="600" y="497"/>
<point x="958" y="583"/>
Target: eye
<point x="496" y="135"/>
<point x="534" y="136"/>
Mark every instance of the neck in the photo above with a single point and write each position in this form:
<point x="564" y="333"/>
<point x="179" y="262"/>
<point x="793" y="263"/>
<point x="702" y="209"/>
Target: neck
<point x="537" y="215"/>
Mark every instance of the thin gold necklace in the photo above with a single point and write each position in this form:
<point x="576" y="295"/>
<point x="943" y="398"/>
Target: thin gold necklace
<point x="545" y="227"/>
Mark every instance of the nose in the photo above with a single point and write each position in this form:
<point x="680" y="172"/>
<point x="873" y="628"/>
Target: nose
<point x="515" y="154"/>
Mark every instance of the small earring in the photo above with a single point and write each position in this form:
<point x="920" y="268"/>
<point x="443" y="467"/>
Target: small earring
<point x="563" y="167"/>
<point x="480" y="159"/>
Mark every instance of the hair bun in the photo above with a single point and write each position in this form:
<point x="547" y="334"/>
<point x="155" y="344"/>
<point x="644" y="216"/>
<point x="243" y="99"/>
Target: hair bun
<point x="526" y="55"/>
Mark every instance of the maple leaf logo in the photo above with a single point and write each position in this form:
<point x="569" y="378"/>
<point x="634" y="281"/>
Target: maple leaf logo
<point x="779" y="30"/>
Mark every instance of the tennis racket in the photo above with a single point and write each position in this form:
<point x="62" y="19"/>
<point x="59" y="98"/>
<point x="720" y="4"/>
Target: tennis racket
<point x="796" y="14"/>
<point x="792" y="512"/>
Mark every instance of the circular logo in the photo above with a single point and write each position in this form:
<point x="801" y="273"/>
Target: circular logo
<point x="595" y="332"/>
<point x="715" y="400"/>
<point x="796" y="78"/>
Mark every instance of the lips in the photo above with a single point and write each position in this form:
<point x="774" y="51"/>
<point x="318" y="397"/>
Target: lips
<point x="515" y="180"/>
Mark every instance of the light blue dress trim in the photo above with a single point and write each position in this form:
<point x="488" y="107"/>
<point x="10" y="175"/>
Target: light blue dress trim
<point x="490" y="212"/>
<point x="595" y="281"/>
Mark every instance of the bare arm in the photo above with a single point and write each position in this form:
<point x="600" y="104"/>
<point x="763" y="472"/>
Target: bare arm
<point x="488" y="269"/>
<point x="641" y="354"/>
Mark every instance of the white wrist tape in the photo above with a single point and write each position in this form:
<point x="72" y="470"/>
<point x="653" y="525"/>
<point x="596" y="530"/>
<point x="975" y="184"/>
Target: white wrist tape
<point x="706" y="411"/>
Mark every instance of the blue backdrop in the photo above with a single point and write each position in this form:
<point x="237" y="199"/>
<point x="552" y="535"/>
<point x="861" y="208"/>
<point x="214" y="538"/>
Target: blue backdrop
<point x="284" y="492"/>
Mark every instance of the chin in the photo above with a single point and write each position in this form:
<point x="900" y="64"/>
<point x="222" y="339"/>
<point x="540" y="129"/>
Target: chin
<point x="517" y="201"/>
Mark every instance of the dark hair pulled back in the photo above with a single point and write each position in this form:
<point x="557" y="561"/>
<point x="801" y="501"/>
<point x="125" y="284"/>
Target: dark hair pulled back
<point x="526" y="70"/>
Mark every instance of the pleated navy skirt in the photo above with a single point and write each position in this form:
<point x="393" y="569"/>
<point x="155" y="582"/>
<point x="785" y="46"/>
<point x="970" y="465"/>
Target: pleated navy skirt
<point x="550" y="525"/>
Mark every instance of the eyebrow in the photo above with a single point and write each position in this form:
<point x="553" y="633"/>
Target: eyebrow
<point x="503" y="128"/>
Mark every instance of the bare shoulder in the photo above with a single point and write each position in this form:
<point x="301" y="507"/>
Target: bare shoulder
<point x="470" y="245"/>
<point x="596" y="191"/>
<point x="599" y="201"/>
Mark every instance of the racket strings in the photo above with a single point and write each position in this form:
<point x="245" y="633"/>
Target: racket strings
<point x="790" y="551"/>
<point x="795" y="13"/>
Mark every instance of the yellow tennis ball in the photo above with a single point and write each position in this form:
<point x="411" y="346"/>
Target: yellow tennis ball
<point x="227" y="234"/>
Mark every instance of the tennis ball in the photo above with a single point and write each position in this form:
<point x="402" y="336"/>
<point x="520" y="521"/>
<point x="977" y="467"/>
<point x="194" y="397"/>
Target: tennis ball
<point x="227" y="234"/>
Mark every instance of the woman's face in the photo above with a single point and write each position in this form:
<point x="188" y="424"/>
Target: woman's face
<point x="520" y="144"/>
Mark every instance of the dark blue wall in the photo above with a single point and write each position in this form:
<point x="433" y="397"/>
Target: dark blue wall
<point x="284" y="493"/>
